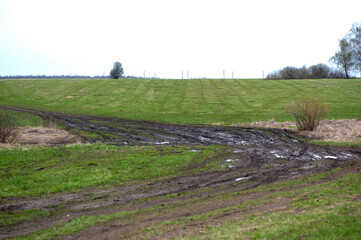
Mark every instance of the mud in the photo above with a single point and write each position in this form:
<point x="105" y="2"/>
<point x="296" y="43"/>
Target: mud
<point x="256" y="157"/>
<point x="128" y="132"/>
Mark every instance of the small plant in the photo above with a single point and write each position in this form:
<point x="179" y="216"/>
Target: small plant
<point x="308" y="113"/>
<point x="7" y="127"/>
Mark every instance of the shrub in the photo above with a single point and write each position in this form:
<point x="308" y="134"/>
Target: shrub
<point x="307" y="113"/>
<point x="7" y="127"/>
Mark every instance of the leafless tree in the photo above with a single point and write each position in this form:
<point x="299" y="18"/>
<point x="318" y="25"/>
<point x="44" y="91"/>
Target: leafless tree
<point x="319" y="71"/>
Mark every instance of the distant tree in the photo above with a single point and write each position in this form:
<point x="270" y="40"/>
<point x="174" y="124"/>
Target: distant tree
<point x="319" y="71"/>
<point x="273" y="75"/>
<point x="354" y="38"/>
<point x="117" y="71"/>
<point x="288" y="73"/>
<point x="343" y="57"/>
<point x="336" y="73"/>
<point x="316" y="71"/>
<point x="302" y="73"/>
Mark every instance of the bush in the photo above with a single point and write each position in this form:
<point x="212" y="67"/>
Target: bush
<point x="307" y="113"/>
<point x="7" y="127"/>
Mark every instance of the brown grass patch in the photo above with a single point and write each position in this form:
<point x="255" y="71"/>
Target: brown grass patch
<point x="342" y="130"/>
<point x="40" y="136"/>
<point x="267" y="124"/>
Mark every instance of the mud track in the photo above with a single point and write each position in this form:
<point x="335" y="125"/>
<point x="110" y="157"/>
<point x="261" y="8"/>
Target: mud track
<point x="129" y="132"/>
<point x="257" y="157"/>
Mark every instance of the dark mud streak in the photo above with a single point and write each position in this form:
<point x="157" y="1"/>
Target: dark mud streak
<point x="259" y="156"/>
<point x="149" y="133"/>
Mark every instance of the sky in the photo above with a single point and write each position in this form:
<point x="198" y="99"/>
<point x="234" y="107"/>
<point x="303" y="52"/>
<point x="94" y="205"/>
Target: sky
<point x="162" y="38"/>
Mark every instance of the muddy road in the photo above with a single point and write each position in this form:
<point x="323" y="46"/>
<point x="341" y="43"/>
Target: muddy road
<point x="256" y="157"/>
<point x="128" y="132"/>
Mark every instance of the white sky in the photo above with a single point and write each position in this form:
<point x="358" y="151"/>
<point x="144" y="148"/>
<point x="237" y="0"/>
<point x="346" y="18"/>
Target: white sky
<point x="165" y="37"/>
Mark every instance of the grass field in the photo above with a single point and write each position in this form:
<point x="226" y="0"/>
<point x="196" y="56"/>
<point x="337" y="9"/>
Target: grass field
<point x="161" y="192"/>
<point x="182" y="101"/>
<point x="324" y="205"/>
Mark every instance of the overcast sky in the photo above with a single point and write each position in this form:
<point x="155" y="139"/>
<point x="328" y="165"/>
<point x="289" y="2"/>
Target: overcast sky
<point x="164" y="37"/>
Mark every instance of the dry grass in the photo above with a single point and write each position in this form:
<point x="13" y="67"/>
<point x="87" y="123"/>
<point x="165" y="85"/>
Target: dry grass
<point x="342" y="130"/>
<point x="268" y="124"/>
<point x="40" y="136"/>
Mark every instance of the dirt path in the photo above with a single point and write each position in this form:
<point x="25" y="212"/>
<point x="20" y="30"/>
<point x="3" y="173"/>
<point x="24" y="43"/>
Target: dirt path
<point x="258" y="157"/>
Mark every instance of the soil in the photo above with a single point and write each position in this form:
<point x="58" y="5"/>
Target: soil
<point x="258" y="157"/>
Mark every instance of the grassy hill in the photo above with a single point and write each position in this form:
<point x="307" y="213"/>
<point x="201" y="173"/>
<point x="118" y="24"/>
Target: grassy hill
<point x="103" y="191"/>
<point x="200" y="101"/>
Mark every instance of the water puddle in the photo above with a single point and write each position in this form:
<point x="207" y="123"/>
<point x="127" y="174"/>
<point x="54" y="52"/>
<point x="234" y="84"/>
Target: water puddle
<point x="241" y="179"/>
<point x="161" y="143"/>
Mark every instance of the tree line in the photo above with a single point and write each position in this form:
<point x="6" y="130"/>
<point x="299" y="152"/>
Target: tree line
<point x="315" y="71"/>
<point x="347" y="59"/>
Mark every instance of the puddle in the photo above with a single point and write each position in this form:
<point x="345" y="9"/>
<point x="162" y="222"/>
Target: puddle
<point x="315" y="156"/>
<point x="347" y="154"/>
<point x="241" y="179"/>
<point x="161" y="143"/>
<point x="231" y="160"/>
<point x="242" y="143"/>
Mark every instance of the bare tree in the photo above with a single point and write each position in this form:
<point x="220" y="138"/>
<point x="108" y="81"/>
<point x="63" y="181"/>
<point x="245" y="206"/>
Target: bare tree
<point x="289" y="73"/>
<point x="343" y="57"/>
<point x="319" y="71"/>
<point x="302" y="73"/>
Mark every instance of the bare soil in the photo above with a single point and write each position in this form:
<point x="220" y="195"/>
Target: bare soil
<point x="44" y="136"/>
<point x="258" y="157"/>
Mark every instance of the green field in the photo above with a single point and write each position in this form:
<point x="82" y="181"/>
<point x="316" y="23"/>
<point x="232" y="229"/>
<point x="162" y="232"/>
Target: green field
<point x="182" y="101"/>
<point x="178" y="192"/>
<point x="324" y="205"/>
